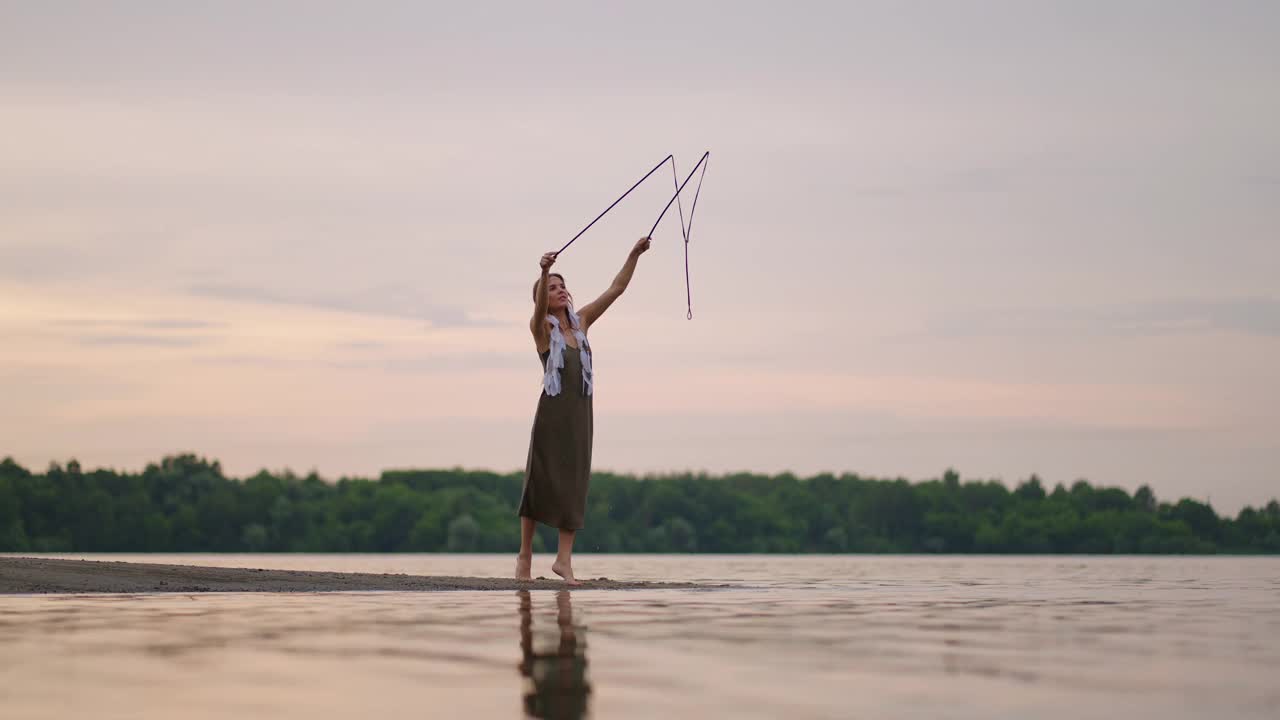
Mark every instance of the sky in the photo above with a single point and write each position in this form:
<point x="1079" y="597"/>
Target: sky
<point x="1001" y="237"/>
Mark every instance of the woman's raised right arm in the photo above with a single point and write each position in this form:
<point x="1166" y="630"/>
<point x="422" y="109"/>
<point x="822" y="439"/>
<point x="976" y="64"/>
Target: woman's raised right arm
<point x="538" y="323"/>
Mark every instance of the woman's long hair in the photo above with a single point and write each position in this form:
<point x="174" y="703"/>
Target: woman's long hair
<point x="549" y="276"/>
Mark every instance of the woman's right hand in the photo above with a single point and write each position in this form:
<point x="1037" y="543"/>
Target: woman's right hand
<point x="548" y="259"/>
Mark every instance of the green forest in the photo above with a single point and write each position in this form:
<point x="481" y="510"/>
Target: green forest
<point x="186" y="504"/>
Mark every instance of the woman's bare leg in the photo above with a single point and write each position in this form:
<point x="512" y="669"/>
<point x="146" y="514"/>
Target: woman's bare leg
<point x="524" y="561"/>
<point x="563" y="566"/>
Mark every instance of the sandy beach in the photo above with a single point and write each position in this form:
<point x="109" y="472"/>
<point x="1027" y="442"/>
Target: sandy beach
<point x="19" y="575"/>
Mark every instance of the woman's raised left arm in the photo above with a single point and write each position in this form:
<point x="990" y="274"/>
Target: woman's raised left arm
<point x="592" y="311"/>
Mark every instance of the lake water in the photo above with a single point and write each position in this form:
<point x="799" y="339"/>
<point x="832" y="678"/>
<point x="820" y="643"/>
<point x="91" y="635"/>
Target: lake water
<point x="794" y="637"/>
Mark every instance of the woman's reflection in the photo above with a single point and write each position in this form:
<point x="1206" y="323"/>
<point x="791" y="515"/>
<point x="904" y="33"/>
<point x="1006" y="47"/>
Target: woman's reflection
<point x="554" y="664"/>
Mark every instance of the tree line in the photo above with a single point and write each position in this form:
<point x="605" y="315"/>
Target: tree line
<point x="185" y="503"/>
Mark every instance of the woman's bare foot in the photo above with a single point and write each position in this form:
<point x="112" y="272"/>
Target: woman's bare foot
<point x="524" y="564"/>
<point x="565" y="571"/>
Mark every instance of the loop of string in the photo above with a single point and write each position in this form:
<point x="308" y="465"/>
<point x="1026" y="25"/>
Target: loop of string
<point x="685" y="230"/>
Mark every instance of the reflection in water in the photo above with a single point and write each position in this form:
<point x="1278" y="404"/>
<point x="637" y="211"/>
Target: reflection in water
<point x="554" y="664"/>
<point x="798" y="637"/>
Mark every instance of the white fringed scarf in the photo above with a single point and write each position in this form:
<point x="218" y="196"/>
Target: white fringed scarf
<point x="555" y="361"/>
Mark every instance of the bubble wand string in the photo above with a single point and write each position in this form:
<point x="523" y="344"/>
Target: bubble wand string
<point x="685" y="230"/>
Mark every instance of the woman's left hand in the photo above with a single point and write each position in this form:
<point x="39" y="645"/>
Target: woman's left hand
<point x="641" y="245"/>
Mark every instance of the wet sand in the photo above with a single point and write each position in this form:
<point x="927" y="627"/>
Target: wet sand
<point x="43" y="575"/>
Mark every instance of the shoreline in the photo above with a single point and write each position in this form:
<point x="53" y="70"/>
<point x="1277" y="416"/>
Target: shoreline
<point x="36" y="576"/>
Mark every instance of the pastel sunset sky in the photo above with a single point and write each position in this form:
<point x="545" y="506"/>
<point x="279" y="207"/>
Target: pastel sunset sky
<point x="1004" y="237"/>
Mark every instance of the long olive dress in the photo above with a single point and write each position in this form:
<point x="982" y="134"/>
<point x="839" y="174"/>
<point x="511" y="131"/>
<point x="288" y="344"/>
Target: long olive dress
<point x="559" y="466"/>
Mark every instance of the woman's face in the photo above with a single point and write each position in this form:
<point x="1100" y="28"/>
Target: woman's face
<point x="557" y="293"/>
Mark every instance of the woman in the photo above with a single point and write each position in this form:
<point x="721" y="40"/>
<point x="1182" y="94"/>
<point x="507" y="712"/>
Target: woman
<point x="559" y="466"/>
